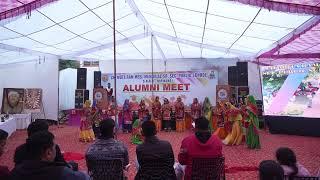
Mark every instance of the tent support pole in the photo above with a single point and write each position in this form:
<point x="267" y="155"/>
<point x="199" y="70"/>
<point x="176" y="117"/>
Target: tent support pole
<point x="152" y="70"/>
<point x="261" y="83"/>
<point x="115" y="60"/>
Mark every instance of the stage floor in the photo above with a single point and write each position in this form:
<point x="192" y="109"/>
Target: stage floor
<point x="237" y="157"/>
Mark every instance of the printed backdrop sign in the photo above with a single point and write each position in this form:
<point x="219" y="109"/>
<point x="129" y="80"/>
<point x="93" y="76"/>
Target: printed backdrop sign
<point x="187" y="84"/>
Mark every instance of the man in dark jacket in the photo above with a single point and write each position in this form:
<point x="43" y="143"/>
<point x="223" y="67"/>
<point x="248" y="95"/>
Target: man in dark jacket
<point x="41" y="165"/>
<point x="21" y="151"/>
<point x="156" y="153"/>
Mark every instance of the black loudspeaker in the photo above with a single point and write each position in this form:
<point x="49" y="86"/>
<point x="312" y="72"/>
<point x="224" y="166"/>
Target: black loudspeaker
<point x="97" y="79"/>
<point x="81" y="95"/>
<point x="232" y="75"/>
<point x="81" y="78"/>
<point x="242" y="77"/>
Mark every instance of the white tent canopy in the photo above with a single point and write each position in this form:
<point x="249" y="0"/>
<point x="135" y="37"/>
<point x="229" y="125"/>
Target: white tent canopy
<point x="82" y="29"/>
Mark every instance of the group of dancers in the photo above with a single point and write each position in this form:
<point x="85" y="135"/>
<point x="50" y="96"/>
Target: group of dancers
<point x="231" y="124"/>
<point x="234" y="125"/>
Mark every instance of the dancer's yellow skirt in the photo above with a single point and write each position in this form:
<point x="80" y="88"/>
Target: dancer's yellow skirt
<point x="87" y="135"/>
<point x="236" y="135"/>
<point x="221" y="133"/>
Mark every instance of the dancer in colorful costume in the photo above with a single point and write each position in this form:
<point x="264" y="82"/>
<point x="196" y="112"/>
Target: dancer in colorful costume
<point x="156" y="113"/>
<point x="219" y="115"/>
<point x="207" y="112"/>
<point x="252" y="135"/>
<point x="166" y="115"/>
<point x="86" y="132"/>
<point x="235" y="117"/>
<point x="179" y="114"/>
<point x="136" y="137"/>
<point x="127" y="116"/>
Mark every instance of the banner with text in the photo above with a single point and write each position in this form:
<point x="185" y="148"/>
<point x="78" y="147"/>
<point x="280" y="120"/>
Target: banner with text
<point x="187" y="84"/>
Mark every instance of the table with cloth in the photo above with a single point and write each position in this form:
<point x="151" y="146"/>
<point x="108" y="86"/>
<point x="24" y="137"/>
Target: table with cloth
<point x="9" y="125"/>
<point x="22" y="120"/>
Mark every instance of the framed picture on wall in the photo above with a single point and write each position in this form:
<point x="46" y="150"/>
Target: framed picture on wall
<point x="13" y="100"/>
<point x="33" y="100"/>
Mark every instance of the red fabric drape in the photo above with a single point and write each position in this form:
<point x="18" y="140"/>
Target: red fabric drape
<point x="285" y="6"/>
<point x="10" y="8"/>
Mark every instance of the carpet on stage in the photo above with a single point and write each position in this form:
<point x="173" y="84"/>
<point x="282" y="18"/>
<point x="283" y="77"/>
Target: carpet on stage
<point x="241" y="163"/>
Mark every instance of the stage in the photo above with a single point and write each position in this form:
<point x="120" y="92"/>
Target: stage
<point x="293" y="125"/>
<point x="238" y="158"/>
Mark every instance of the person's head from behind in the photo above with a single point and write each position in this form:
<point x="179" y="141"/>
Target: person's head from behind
<point x="109" y="85"/>
<point x="37" y="126"/>
<point x="3" y="140"/>
<point x="107" y="128"/>
<point x="270" y="170"/>
<point x="149" y="129"/>
<point x="41" y="146"/>
<point x="285" y="156"/>
<point x="201" y="124"/>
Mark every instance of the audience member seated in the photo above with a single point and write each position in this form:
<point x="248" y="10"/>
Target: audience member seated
<point x="4" y="171"/>
<point x="155" y="157"/>
<point x="288" y="161"/>
<point x="106" y="147"/>
<point x="202" y="144"/>
<point x="41" y="164"/>
<point x="270" y="170"/>
<point x="21" y="151"/>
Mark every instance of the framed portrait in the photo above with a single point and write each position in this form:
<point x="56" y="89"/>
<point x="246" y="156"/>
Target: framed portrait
<point x="13" y="100"/>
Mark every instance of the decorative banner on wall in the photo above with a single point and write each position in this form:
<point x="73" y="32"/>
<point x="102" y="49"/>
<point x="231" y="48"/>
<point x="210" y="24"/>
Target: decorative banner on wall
<point x="187" y="84"/>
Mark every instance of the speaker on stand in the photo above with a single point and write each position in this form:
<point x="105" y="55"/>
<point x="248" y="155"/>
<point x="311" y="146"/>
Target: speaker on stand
<point x="81" y="78"/>
<point x="242" y="74"/>
<point x="232" y="75"/>
<point x="81" y="95"/>
<point x="97" y="79"/>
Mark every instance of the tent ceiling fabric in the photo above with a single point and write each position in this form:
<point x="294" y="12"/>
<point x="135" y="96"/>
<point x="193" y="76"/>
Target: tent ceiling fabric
<point x="82" y="29"/>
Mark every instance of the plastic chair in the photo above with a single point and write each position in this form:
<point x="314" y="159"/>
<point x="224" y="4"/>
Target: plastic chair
<point x="156" y="169"/>
<point x="301" y="178"/>
<point x="105" y="169"/>
<point x="208" y="169"/>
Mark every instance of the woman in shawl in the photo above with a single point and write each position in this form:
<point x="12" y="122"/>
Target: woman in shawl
<point x="252" y="123"/>
<point x="179" y="114"/>
<point x="142" y="110"/>
<point x="112" y="109"/>
<point x="156" y="113"/>
<point x="127" y="116"/>
<point x="195" y="109"/>
<point x="207" y="111"/>
<point x="235" y="117"/>
<point x="166" y="115"/>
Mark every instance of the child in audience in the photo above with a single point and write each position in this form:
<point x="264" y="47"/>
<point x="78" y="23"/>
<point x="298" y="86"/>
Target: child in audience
<point x="270" y="170"/>
<point x="288" y="161"/>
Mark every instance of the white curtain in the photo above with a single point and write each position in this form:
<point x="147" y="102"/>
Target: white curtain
<point x="67" y="87"/>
